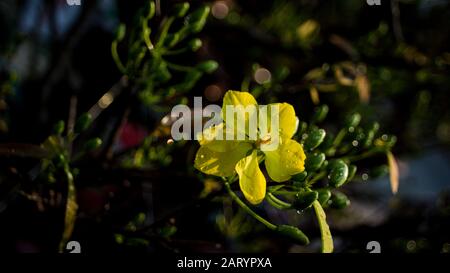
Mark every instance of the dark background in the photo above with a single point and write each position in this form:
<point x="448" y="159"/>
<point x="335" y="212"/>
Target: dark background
<point x="51" y="52"/>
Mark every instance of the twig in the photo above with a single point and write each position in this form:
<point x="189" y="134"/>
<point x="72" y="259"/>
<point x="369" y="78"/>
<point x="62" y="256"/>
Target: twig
<point x="395" y="9"/>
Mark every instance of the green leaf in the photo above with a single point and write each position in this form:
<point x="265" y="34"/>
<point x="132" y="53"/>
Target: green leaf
<point x="70" y="211"/>
<point x="293" y="233"/>
<point x="327" y="240"/>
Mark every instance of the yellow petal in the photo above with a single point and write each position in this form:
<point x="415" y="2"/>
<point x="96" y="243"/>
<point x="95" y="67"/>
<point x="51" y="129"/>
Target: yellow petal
<point x="245" y="108"/>
<point x="213" y="138"/>
<point x="220" y="163"/>
<point x="238" y="98"/>
<point x="287" y="160"/>
<point x="287" y="121"/>
<point x="251" y="179"/>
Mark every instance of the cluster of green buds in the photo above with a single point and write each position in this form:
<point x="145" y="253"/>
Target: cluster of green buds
<point x="57" y="167"/>
<point x="150" y="53"/>
<point x="331" y="162"/>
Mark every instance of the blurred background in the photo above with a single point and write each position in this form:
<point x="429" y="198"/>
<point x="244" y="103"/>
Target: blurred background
<point x="390" y="62"/>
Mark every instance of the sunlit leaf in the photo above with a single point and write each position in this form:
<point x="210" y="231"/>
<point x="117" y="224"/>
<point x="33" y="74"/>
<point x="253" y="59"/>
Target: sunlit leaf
<point x="314" y="94"/>
<point x="327" y="239"/>
<point x="363" y="87"/>
<point x="70" y="211"/>
<point x="393" y="172"/>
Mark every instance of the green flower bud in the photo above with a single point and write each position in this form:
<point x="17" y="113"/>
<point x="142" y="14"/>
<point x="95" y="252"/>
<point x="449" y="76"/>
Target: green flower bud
<point x="167" y="231"/>
<point x="197" y="26"/>
<point x="121" y="30"/>
<point x="338" y="174"/>
<point x="199" y="14"/>
<point x="58" y="129"/>
<point x="208" y="66"/>
<point x="351" y="172"/>
<point x="83" y="122"/>
<point x="93" y="144"/>
<point x="324" y="196"/>
<point x="327" y="142"/>
<point x="304" y="200"/>
<point x="181" y="9"/>
<point x="163" y="73"/>
<point x="189" y="80"/>
<point x="281" y="73"/>
<point x="314" y="139"/>
<point x="195" y="44"/>
<point x="197" y="19"/>
<point x="302" y="126"/>
<point x="151" y="10"/>
<point x="58" y="160"/>
<point x="172" y="39"/>
<point x="320" y="113"/>
<point x="314" y="162"/>
<point x="353" y="120"/>
<point x="373" y="129"/>
<point x="293" y="233"/>
<point x="300" y="177"/>
<point x="339" y="201"/>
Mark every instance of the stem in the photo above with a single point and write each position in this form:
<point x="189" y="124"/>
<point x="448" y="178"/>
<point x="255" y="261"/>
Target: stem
<point x="360" y="156"/>
<point x="316" y="178"/>
<point x="165" y="29"/>
<point x="247" y="209"/>
<point x="273" y="203"/>
<point x="280" y="203"/>
<point x="175" y="52"/>
<point x="178" y="67"/>
<point x="116" y="57"/>
<point x="340" y="136"/>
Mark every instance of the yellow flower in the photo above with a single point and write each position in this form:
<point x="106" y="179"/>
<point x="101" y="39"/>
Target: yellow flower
<point x="227" y="157"/>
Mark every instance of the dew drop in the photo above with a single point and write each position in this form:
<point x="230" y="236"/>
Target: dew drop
<point x="202" y="156"/>
<point x="351" y="129"/>
<point x="365" y="176"/>
<point x="355" y="143"/>
<point x="384" y="137"/>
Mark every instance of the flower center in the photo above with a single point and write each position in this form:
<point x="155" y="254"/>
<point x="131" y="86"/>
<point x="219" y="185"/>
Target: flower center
<point x="266" y="139"/>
